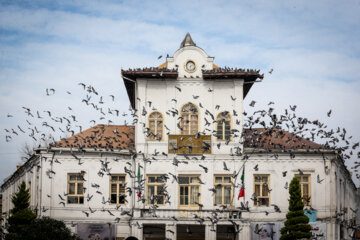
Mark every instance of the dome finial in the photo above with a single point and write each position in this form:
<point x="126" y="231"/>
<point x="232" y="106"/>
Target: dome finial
<point x="187" y="41"/>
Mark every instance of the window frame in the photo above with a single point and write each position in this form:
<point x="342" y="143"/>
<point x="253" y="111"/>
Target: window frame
<point x="219" y="118"/>
<point x="261" y="183"/>
<point x="223" y="189"/>
<point x="76" y="194"/>
<point x="189" y="206"/>
<point x="117" y="188"/>
<point x="154" y="136"/>
<point x="155" y="185"/>
<point x="302" y="185"/>
<point x="182" y="120"/>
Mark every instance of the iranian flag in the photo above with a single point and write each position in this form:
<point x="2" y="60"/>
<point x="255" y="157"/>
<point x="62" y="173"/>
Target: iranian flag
<point x="139" y="180"/>
<point x="242" y="190"/>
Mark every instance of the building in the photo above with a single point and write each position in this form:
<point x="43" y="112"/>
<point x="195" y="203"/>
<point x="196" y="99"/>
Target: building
<point x="177" y="173"/>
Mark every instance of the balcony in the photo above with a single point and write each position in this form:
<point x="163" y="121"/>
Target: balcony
<point x="189" y="144"/>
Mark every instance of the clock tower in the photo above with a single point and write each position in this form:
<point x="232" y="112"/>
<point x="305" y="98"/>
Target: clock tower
<point x="188" y="99"/>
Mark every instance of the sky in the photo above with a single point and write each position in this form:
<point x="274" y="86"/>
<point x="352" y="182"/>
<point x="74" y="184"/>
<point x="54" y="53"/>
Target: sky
<point x="312" y="47"/>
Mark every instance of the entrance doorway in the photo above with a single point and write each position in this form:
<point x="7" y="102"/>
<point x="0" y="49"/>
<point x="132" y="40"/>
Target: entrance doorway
<point x="154" y="231"/>
<point x="190" y="232"/>
<point x="225" y="232"/>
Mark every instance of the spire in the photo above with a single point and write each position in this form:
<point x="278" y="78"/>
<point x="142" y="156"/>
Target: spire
<point x="187" y="41"/>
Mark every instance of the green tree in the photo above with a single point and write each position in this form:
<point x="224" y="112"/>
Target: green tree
<point x="49" y="228"/>
<point x="21" y="199"/>
<point x="23" y="224"/>
<point x="21" y="215"/>
<point x="297" y="224"/>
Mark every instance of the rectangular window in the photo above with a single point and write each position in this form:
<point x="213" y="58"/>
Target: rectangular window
<point x="224" y="190"/>
<point x="189" y="191"/>
<point x="305" y="188"/>
<point x="261" y="188"/>
<point x="155" y="190"/>
<point x="117" y="189"/>
<point x="75" y="188"/>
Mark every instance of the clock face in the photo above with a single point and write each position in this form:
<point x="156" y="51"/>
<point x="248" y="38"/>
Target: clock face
<point x="190" y="66"/>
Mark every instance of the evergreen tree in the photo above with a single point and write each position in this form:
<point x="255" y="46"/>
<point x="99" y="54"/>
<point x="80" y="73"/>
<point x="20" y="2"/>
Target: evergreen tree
<point x="21" y="199"/>
<point x="297" y="224"/>
<point x="21" y="215"/>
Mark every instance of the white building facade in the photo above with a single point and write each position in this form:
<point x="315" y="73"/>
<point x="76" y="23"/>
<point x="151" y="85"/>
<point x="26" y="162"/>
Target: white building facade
<point x="177" y="173"/>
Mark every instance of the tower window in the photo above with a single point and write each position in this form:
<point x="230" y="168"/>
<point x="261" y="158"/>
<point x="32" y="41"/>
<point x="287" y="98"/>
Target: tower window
<point x="223" y="130"/>
<point x="190" y="119"/>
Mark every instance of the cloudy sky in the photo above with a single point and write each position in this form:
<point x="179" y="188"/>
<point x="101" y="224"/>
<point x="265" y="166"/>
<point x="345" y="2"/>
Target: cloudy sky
<point x="313" y="47"/>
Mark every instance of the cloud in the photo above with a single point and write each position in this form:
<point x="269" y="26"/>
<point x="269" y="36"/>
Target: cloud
<point x="312" y="47"/>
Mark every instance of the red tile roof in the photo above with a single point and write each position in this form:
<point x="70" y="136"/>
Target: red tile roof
<point x="110" y="137"/>
<point x="118" y="137"/>
<point x="277" y="139"/>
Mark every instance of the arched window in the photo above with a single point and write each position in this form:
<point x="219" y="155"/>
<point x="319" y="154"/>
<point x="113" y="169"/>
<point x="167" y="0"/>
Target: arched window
<point x="223" y="130"/>
<point x="190" y="119"/>
<point x="156" y="124"/>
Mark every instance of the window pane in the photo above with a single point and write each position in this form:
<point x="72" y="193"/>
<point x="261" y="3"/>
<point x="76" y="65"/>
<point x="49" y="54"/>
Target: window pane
<point x="151" y="179"/>
<point x="257" y="190"/>
<point x="72" y="199"/>
<point x="257" y="179"/>
<point x="194" y="180"/>
<point x="121" y="188"/>
<point x="81" y="200"/>
<point x="152" y="126"/>
<point x="227" y="180"/>
<point x="151" y="192"/>
<point x="113" y="198"/>
<point x="306" y="189"/>
<point x="218" y="179"/>
<point x="227" y="195"/>
<point x="264" y="179"/>
<point x="73" y="177"/>
<point x="122" y="179"/>
<point x="80" y="188"/>
<point x="219" y="132"/>
<point x="194" y="198"/>
<point x="160" y="179"/>
<point x="113" y="188"/>
<point x="305" y="178"/>
<point x="160" y="199"/>
<point x="264" y="202"/>
<point x="114" y="178"/>
<point x="71" y="188"/>
<point x="218" y="195"/>
<point x="121" y="198"/>
<point x="183" y="180"/>
<point x="160" y="190"/>
<point x="264" y="191"/>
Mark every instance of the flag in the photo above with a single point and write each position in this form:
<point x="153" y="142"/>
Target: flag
<point x="139" y="179"/>
<point x="242" y="190"/>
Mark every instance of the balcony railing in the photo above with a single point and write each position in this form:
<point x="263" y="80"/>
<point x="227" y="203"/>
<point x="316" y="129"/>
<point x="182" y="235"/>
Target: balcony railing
<point x="189" y="144"/>
<point x="188" y="214"/>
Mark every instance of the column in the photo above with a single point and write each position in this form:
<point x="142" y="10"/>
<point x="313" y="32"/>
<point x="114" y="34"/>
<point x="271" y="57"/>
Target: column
<point x="170" y="231"/>
<point x="245" y="233"/>
<point x="137" y="232"/>
<point x="210" y="232"/>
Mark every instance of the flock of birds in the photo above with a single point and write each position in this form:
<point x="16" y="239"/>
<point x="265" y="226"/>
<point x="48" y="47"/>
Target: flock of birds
<point x="268" y="119"/>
